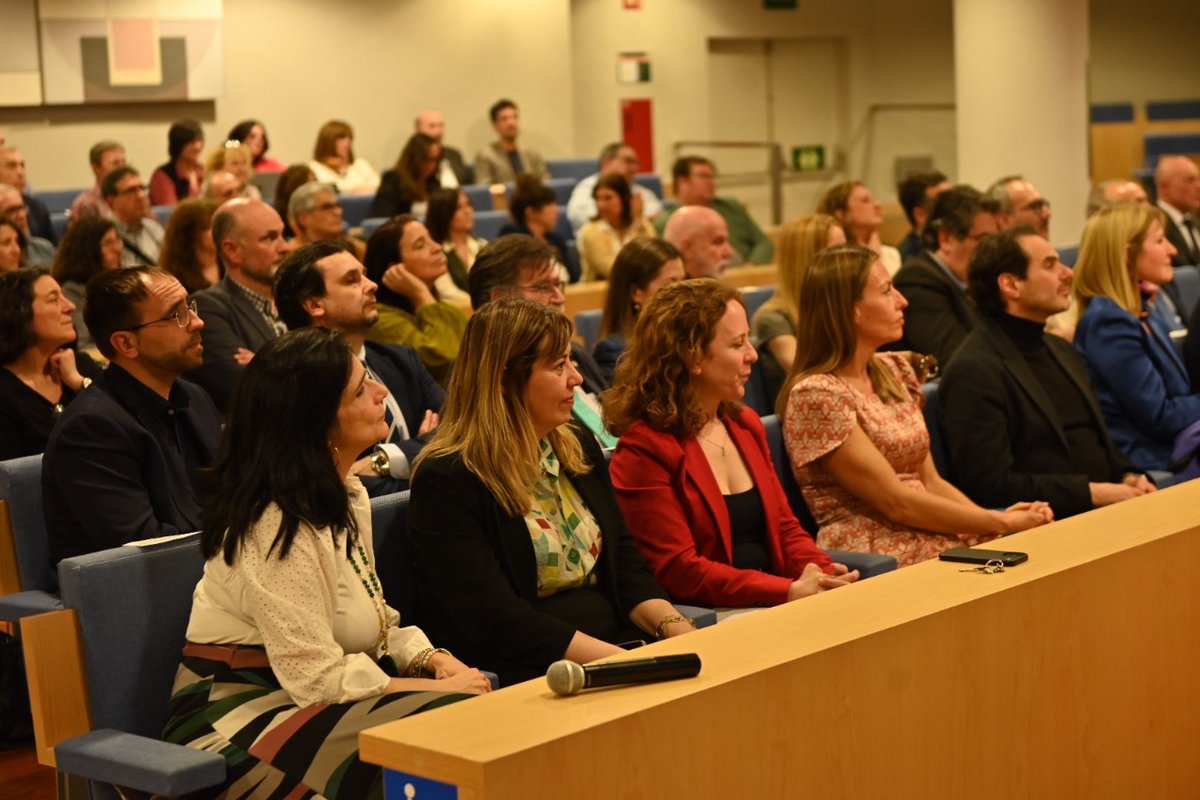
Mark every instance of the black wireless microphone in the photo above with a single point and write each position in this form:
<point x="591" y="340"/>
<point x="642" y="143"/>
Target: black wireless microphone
<point x="567" y="677"/>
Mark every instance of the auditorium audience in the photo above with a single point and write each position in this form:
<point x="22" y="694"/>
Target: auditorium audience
<point x="695" y="184"/>
<point x="253" y="134"/>
<point x="452" y="170"/>
<point x="692" y="470"/>
<point x="642" y="268"/>
<point x="1019" y="415"/>
<point x="450" y="220"/>
<point x="292" y="179"/>
<point x="239" y="311"/>
<point x="288" y="621"/>
<point x="405" y="262"/>
<point x="854" y="429"/>
<point x="321" y="284"/>
<point x="222" y="186"/>
<point x="1177" y="184"/>
<point x="503" y="161"/>
<point x="702" y="239"/>
<point x="41" y="374"/>
<point x="125" y="461"/>
<point x="1113" y="191"/>
<point x="1137" y="373"/>
<point x="405" y="188"/>
<point x="520" y="266"/>
<point x="12" y="172"/>
<point x="141" y="234"/>
<point x="104" y="157"/>
<point x="315" y="215"/>
<point x="181" y="176"/>
<point x="861" y="216"/>
<point x="615" y="159"/>
<point x="773" y="328"/>
<point x="35" y="250"/>
<point x="12" y="245"/>
<point x="188" y="252"/>
<point x="89" y="247"/>
<point x="234" y="158"/>
<point x="334" y="162"/>
<point x="614" y="226"/>
<point x="521" y="549"/>
<point x="916" y="193"/>
<point x="534" y="210"/>
<point x="1020" y="203"/>
<point x="939" y="315"/>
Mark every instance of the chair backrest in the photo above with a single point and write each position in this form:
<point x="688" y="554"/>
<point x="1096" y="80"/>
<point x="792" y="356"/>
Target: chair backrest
<point x="933" y="421"/>
<point x="1187" y="280"/>
<point x="21" y="486"/>
<point x="587" y="325"/>
<point x="355" y="207"/>
<point x="1068" y="255"/>
<point x="58" y="199"/>
<point x="562" y="188"/>
<point x="576" y="168"/>
<point x="489" y="223"/>
<point x="783" y="469"/>
<point x="372" y="224"/>
<point x="755" y="297"/>
<point x="480" y="197"/>
<point x="133" y="605"/>
<point x="756" y="390"/>
<point x="58" y="223"/>
<point x="651" y="181"/>
<point x="395" y="563"/>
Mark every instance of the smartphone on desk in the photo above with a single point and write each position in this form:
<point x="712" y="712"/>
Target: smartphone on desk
<point x="971" y="555"/>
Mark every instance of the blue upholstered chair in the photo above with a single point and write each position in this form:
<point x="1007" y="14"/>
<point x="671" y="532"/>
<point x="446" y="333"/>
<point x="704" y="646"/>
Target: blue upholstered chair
<point x="651" y="181"/>
<point x="933" y="421"/>
<point x="58" y="199"/>
<point x="1187" y="280"/>
<point x="562" y="188"/>
<point x="756" y="388"/>
<point x="58" y="223"/>
<point x="754" y="298"/>
<point x="355" y="207"/>
<point x="587" y="325"/>
<point x="576" y="168"/>
<point x="372" y="224"/>
<point x="489" y="223"/>
<point x="868" y="564"/>
<point x="21" y="518"/>
<point x="480" y="197"/>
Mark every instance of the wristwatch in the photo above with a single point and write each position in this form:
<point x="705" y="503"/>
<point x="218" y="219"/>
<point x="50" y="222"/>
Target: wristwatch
<point x="381" y="465"/>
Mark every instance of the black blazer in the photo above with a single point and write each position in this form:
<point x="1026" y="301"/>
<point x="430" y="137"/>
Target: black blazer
<point x="407" y="379"/>
<point x="1005" y="440"/>
<point x="39" y="218"/>
<point x="230" y="321"/>
<point x="477" y="575"/>
<point x="939" y="315"/>
<point x="1183" y="250"/>
<point x="107" y="478"/>
<point x="462" y="170"/>
<point x="594" y="380"/>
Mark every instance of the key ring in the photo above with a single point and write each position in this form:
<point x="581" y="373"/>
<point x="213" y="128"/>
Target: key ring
<point x="990" y="568"/>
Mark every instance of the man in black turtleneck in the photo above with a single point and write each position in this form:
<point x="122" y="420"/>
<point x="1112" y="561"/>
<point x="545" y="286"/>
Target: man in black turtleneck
<point x="1019" y="415"/>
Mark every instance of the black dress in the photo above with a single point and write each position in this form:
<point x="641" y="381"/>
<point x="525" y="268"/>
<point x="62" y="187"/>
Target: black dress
<point x="26" y="417"/>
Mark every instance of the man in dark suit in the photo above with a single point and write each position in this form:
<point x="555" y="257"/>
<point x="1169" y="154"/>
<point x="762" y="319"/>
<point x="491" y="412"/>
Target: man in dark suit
<point x="12" y="172"/>
<point x="452" y="171"/>
<point x="939" y="316"/>
<point x="239" y="311"/>
<point x="1019" y="415"/>
<point x="322" y="283"/>
<point x="123" y="463"/>
<point x="1177" y="181"/>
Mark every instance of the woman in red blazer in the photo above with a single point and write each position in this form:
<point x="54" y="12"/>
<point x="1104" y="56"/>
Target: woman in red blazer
<point x="692" y="471"/>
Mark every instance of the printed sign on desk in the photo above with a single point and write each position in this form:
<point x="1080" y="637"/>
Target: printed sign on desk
<point x="400" y="786"/>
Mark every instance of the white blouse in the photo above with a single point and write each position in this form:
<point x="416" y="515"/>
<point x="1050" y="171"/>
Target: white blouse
<point x="310" y="610"/>
<point x="359" y="178"/>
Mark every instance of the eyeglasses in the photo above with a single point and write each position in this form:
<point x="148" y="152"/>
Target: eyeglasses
<point x="182" y="316"/>
<point x="13" y="211"/>
<point x="546" y="288"/>
<point x="141" y="187"/>
<point x="1037" y="206"/>
<point x="328" y="207"/>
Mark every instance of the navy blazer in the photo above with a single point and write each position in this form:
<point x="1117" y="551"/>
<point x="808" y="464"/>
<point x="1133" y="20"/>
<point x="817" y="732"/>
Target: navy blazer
<point x="939" y="315"/>
<point x="230" y="321"/>
<point x="107" y="478"/>
<point x="408" y="380"/>
<point x="1139" y="379"/>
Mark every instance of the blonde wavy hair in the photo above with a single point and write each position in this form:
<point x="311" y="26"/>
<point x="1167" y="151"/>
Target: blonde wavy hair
<point x="799" y="241"/>
<point x="653" y="380"/>
<point x="825" y="332"/>
<point x="484" y="420"/>
<point x="1112" y="241"/>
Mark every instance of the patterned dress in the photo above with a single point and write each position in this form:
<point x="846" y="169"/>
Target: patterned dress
<point x="822" y="411"/>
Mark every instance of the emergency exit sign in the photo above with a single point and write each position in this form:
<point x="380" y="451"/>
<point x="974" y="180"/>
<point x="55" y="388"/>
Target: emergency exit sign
<point x="808" y="158"/>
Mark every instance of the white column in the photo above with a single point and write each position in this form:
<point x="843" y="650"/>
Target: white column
<point x="1022" y="102"/>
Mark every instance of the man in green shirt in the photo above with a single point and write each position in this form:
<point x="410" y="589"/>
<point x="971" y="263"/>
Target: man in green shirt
<point x="695" y="185"/>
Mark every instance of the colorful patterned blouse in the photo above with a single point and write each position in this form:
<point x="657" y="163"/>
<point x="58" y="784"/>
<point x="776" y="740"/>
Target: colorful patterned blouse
<point x="566" y="537"/>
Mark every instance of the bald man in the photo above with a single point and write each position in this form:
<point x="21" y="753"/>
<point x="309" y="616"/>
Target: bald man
<point x="702" y="237"/>
<point x="1115" y="191"/>
<point x="1177" y="180"/>
<point x="452" y="171"/>
<point x="239" y="312"/>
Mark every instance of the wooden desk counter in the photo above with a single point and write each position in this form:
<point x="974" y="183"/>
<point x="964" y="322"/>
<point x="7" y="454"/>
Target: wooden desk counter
<point x="1072" y="675"/>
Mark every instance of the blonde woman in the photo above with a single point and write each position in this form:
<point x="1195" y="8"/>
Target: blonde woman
<point x="234" y="157"/>
<point x="774" y="325"/>
<point x="854" y="429"/>
<point x="860" y="214"/>
<point x="1138" y="375"/>
<point x="521" y="549"/>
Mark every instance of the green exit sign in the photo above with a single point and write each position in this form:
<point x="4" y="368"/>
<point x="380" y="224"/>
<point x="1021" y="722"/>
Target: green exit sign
<point x="808" y="158"/>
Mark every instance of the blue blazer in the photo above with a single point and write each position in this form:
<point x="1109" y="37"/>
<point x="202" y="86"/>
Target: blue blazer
<point x="1140" y="381"/>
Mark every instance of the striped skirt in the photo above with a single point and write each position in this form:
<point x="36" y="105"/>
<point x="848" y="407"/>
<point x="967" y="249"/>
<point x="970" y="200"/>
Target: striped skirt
<point x="227" y="700"/>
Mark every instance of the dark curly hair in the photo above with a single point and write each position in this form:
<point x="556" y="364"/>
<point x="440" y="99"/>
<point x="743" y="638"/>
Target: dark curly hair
<point x="78" y="255"/>
<point x="16" y="312"/>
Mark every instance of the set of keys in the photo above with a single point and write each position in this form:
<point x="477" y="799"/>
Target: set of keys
<point x="990" y="568"/>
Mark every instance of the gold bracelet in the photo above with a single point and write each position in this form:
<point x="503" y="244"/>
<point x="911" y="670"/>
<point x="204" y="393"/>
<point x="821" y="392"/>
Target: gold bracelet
<point x="661" y="629"/>
<point x="417" y="666"/>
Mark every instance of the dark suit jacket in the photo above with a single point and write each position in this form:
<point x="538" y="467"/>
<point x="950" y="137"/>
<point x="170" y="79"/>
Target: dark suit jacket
<point x="1003" y="434"/>
<point x="939" y="315"/>
<point x="594" y="381"/>
<point x="1183" y="250"/>
<point x="108" y="479"/>
<point x="39" y="218"/>
<point x="478" y="576"/>
<point x="462" y="170"/>
<point x="407" y="380"/>
<point x="230" y="322"/>
<point x="676" y="513"/>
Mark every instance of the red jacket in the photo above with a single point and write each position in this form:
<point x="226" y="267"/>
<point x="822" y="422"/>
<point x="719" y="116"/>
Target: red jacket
<point x="674" y="509"/>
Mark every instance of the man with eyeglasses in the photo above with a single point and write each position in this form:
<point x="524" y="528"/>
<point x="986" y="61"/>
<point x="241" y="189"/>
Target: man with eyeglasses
<point x="1021" y="204"/>
<point x="141" y="235"/>
<point x="12" y="172"/>
<point x="617" y="158"/>
<point x="316" y="216"/>
<point x="939" y="315"/>
<point x="124" y="462"/>
<point x="39" y="252"/>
